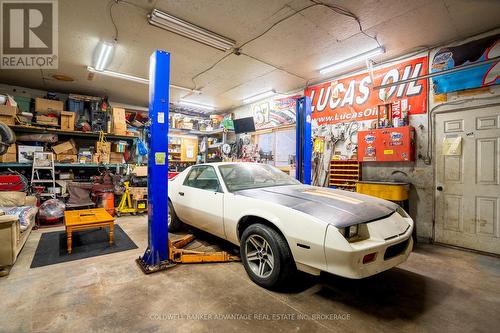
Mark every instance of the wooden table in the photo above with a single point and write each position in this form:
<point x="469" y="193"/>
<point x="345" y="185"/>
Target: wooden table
<point x="87" y="219"/>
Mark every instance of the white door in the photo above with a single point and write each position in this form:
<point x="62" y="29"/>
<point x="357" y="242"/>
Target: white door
<point x="468" y="181"/>
<point x="202" y="200"/>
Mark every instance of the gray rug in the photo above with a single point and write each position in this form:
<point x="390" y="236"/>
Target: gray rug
<point x="86" y="243"/>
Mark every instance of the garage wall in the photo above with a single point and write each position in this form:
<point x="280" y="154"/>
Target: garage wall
<point x="421" y="174"/>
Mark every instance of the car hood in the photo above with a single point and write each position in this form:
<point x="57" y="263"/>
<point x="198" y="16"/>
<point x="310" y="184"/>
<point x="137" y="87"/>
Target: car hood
<point x="336" y="207"/>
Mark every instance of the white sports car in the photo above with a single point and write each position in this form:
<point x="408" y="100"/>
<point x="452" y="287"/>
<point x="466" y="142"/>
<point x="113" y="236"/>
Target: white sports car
<point x="282" y="225"/>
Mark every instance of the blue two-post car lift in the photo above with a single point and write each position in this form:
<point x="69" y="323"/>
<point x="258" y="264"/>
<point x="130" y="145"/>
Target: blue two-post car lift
<point x="161" y="252"/>
<point x="303" y="154"/>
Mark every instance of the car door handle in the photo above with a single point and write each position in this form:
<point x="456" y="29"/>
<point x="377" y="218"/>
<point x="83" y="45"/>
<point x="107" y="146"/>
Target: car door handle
<point x="181" y="194"/>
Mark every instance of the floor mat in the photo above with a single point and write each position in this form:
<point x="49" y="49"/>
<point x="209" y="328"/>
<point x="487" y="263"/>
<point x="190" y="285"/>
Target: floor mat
<point x="86" y="243"/>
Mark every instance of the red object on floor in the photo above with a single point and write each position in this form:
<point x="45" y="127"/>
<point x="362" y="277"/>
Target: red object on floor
<point x="11" y="183"/>
<point x="108" y="202"/>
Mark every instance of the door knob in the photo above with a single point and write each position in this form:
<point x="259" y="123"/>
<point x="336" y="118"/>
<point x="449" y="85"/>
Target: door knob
<point x="439" y="188"/>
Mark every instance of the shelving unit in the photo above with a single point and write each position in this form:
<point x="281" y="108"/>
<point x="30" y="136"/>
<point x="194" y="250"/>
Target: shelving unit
<point x="65" y="165"/>
<point x="344" y="174"/>
<point x="45" y="130"/>
<point x="221" y="136"/>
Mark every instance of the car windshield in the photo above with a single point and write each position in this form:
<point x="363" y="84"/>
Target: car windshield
<point x="246" y="176"/>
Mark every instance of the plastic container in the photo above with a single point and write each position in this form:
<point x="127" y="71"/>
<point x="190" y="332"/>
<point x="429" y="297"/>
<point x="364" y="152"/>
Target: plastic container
<point x="384" y="190"/>
<point x="107" y="201"/>
<point x="75" y="105"/>
<point x="23" y="103"/>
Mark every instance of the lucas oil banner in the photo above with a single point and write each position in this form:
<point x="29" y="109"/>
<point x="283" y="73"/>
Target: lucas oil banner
<point x="473" y="52"/>
<point x="353" y="98"/>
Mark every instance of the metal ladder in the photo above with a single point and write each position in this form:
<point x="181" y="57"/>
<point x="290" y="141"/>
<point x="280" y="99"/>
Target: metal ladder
<point x="43" y="161"/>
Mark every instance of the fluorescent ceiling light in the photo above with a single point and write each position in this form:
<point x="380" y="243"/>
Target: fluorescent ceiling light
<point x="197" y="105"/>
<point x="352" y="60"/>
<point x="136" y="79"/>
<point x="103" y="53"/>
<point x="171" y="23"/>
<point x="259" y="96"/>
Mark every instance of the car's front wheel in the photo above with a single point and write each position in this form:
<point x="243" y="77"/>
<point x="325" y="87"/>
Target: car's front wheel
<point x="266" y="256"/>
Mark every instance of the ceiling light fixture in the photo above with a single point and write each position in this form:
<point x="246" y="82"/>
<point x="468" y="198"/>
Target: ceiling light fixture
<point x="103" y="54"/>
<point x="352" y="60"/>
<point x="197" y="105"/>
<point x="136" y="79"/>
<point x="171" y="23"/>
<point x="260" y="96"/>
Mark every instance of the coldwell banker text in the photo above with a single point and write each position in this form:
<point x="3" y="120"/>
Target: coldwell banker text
<point x="29" y="38"/>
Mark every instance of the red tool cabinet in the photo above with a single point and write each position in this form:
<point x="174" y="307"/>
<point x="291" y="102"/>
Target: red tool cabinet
<point x="395" y="144"/>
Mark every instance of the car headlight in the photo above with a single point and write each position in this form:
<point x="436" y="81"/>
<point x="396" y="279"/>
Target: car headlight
<point x="350" y="232"/>
<point x="402" y="212"/>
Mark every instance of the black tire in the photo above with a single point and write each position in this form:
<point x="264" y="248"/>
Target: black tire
<point x="284" y="265"/>
<point x="7" y="135"/>
<point x="174" y="223"/>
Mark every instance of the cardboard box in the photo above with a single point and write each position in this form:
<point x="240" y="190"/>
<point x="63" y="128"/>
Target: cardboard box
<point x="10" y="156"/>
<point x="100" y="158"/>
<point x="67" y="158"/>
<point x="187" y="125"/>
<point x="119" y="122"/>
<point x="9" y="111"/>
<point x="42" y="105"/>
<point x="8" y="120"/>
<point x="44" y="120"/>
<point x="85" y="156"/>
<point x="67" y="147"/>
<point x="67" y="121"/>
<point x="138" y="192"/>
<point x="120" y="146"/>
<point x="25" y="153"/>
<point x="140" y="170"/>
<point x="116" y="158"/>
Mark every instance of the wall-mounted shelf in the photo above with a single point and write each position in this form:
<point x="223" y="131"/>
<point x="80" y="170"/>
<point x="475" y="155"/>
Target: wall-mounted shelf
<point x="64" y="165"/>
<point x="44" y="130"/>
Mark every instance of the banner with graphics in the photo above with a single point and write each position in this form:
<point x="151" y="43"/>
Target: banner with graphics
<point x="353" y="97"/>
<point x="274" y="112"/>
<point x="476" y="51"/>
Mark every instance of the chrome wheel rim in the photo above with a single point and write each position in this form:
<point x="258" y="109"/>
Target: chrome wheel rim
<point x="169" y="218"/>
<point x="259" y="256"/>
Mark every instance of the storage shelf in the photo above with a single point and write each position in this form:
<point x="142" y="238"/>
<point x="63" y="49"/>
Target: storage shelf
<point x="64" y="165"/>
<point x="44" y="130"/>
<point x="195" y="132"/>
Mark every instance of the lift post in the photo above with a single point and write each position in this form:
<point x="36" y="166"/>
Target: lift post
<point x="303" y="156"/>
<point x="161" y="252"/>
<point x="156" y="257"/>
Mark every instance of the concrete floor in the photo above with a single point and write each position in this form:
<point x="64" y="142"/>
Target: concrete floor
<point x="437" y="290"/>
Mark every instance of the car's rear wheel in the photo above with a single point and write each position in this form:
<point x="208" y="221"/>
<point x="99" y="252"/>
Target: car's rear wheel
<point x="174" y="224"/>
<point x="266" y="256"/>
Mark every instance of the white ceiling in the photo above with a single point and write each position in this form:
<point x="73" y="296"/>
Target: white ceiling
<point x="294" y="49"/>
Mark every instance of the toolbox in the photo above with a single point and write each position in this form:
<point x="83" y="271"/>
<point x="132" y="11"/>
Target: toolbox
<point x="395" y="144"/>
